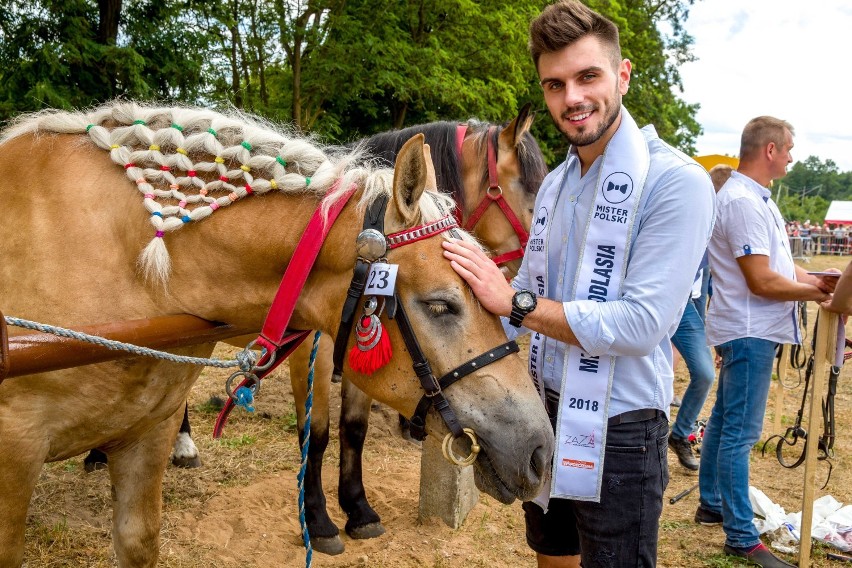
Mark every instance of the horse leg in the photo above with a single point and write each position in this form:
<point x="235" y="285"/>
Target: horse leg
<point x="185" y="453"/>
<point x="362" y="520"/>
<point x="136" y="472"/>
<point x="324" y="534"/>
<point x="18" y="477"/>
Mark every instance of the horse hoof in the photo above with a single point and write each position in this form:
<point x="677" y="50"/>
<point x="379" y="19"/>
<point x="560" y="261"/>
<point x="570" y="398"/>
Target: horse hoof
<point x="92" y="466"/>
<point x="331" y="545"/>
<point x="187" y="462"/>
<point x="371" y="530"/>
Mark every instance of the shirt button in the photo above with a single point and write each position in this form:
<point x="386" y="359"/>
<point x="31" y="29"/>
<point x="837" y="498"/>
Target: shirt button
<point x="571" y="199"/>
<point x="564" y="239"/>
<point x="549" y="359"/>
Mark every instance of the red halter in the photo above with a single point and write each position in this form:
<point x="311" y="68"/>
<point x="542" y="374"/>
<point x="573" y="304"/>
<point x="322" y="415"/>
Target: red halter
<point x="494" y="194"/>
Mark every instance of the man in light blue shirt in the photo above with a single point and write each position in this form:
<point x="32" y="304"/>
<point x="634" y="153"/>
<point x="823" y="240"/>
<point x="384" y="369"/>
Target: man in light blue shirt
<point x="640" y="214"/>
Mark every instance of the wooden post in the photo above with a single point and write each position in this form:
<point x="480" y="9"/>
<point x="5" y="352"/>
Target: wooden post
<point x="824" y="352"/>
<point x="447" y="491"/>
<point x="779" y="390"/>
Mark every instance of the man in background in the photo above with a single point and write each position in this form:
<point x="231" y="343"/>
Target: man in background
<point x="752" y="310"/>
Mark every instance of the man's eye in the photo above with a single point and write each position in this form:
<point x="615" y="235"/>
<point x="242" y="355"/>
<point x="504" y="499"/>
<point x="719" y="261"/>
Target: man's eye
<point x="589" y="77"/>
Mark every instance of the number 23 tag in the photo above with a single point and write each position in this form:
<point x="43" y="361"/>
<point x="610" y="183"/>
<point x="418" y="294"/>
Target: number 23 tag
<point x="382" y="279"/>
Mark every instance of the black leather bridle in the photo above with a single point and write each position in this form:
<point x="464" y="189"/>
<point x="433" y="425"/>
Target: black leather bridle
<point x="433" y="388"/>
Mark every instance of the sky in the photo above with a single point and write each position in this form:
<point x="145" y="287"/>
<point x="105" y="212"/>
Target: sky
<point x="784" y="58"/>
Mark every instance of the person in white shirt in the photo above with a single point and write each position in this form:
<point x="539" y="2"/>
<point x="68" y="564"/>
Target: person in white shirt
<point x="752" y="310"/>
<point x="620" y="228"/>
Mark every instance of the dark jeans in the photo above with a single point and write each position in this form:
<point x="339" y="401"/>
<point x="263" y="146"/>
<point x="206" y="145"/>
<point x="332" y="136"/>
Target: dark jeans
<point x="621" y="531"/>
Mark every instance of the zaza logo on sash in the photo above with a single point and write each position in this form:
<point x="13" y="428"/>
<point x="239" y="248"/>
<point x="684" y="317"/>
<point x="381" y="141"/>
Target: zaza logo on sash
<point x="540" y="221"/>
<point x="617" y="187"/>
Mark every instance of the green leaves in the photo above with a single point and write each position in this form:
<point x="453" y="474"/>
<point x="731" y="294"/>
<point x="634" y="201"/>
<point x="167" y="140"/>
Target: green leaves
<point x="343" y="69"/>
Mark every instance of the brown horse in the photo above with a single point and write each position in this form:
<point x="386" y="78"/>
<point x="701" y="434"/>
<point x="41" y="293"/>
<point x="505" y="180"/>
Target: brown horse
<point x="72" y="231"/>
<point x="461" y="154"/>
<point x="493" y="173"/>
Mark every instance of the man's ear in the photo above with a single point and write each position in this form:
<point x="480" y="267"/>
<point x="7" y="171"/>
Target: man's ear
<point x="625" y="68"/>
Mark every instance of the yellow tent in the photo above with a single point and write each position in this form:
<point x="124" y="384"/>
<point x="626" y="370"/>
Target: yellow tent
<point x="711" y="160"/>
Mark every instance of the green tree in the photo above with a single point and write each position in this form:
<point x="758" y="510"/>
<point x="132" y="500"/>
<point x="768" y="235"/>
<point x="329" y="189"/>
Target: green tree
<point x="388" y="65"/>
<point x="75" y="53"/>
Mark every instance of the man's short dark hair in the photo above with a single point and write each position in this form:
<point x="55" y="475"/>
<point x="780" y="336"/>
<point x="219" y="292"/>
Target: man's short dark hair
<point x="567" y="21"/>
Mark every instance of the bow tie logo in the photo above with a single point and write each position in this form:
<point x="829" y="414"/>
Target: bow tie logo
<point x="540" y="221"/>
<point x="617" y="187"/>
<point x="621" y="188"/>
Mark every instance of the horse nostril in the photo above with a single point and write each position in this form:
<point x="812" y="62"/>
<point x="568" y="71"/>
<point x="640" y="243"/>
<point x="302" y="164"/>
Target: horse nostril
<point x="540" y="461"/>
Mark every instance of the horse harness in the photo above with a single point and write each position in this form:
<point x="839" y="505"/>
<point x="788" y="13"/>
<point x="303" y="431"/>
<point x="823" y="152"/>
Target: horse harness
<point x="372" y="245"/>
<point x="494" y="194"/>
<point x="791" y="436"/>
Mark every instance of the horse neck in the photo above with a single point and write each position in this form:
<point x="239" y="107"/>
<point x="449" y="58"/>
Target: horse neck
<point x="230" y="267"/>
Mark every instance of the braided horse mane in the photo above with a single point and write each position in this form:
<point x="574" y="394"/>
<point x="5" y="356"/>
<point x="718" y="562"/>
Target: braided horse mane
<point x="189" y="162"/>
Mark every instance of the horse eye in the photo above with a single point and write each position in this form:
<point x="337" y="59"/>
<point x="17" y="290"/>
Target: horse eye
<point x="438" y="308"/>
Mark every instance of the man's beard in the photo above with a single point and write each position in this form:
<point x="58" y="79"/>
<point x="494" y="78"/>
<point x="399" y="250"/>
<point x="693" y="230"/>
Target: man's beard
<point x="590" y="137"/>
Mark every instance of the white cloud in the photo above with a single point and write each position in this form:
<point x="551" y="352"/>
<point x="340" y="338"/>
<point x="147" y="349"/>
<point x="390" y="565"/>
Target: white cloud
<point x="785" y="58"/>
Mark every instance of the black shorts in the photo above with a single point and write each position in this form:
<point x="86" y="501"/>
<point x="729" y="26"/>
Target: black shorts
<point x="553" y="534"/>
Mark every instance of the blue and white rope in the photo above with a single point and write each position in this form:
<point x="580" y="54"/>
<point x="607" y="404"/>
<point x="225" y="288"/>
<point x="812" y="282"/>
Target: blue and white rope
<point x="306" y="442"/>
<point x="245" y="359"/>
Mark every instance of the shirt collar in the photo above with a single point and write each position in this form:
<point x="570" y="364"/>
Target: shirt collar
<point x="761" y="191"/>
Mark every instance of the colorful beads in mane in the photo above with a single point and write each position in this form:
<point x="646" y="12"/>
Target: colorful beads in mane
<point x="190" y="162"/>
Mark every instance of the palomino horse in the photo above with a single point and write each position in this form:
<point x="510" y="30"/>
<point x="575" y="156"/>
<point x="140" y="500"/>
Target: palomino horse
<point x="493" y="174"/>
<point x="72" y="230"/>
<point x="463" y="155"/>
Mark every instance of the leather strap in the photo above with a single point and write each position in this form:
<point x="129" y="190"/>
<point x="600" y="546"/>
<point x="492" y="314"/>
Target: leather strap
<point x="295" y="276"/>
<point x="428" y="382"/>
<point x="289" y="343"/>
<point x="494" y="194"/>
<point x="418" y="420"/>
<point x="631" y="416"/>
<point x="373" y="219"/>
<point x="276" y="340"/>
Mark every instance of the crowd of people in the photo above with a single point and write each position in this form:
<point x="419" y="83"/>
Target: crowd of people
<point x="630" y="234"/>
<point x="808" y="239"/>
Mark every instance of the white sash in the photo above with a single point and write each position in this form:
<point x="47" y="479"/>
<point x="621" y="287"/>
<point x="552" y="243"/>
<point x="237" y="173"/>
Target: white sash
<point x="587" y="380"/>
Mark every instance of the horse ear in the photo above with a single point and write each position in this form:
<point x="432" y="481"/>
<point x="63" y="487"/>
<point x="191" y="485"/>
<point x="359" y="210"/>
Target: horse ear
<point x="410" y="174"/>
<point x="431" y="178"/>
<point x="512" y="135"/>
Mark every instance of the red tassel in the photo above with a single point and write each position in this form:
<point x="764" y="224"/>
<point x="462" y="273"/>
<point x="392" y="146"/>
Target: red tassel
<point x="369" y="360"/>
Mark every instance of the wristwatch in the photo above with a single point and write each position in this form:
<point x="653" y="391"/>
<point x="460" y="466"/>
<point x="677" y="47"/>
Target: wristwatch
<point x="523" y="302"/>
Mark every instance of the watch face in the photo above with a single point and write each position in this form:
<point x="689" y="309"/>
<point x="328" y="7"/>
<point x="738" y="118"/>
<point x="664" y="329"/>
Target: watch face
<point x="525" y="301"/>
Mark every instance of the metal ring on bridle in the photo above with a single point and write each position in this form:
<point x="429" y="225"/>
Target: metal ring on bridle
<point x="447" y="448"/>
<point x="498" y="191"/>
<point x="253" y="383"/>
<point x="266" y="365"/>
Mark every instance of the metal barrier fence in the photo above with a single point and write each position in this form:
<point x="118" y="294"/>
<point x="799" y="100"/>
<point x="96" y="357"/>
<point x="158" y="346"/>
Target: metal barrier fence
<point x="805" y="247"/>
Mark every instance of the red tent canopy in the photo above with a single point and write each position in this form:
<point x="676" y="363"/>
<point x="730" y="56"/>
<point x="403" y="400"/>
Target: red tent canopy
<point x="839" y="213"/>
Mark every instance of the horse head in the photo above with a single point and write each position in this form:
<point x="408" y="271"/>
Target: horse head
<point x="496" y="402"/>
<point x="505" y="189"/>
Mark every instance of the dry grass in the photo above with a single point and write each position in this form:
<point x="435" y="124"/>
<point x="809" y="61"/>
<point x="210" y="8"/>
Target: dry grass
<point x="239" y="509"/>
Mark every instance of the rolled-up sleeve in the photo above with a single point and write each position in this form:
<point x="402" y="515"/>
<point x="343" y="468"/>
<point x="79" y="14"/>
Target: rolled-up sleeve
<point x="675" y="225"/>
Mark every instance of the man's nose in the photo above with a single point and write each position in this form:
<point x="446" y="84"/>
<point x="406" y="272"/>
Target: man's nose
<point x="573" y="95"/>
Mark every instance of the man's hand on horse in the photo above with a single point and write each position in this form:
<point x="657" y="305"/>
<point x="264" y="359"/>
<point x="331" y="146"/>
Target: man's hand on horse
<point x="483" y="276"/>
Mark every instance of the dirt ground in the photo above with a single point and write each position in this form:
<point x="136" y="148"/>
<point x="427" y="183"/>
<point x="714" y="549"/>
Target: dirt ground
<point x="240" y="508"/>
